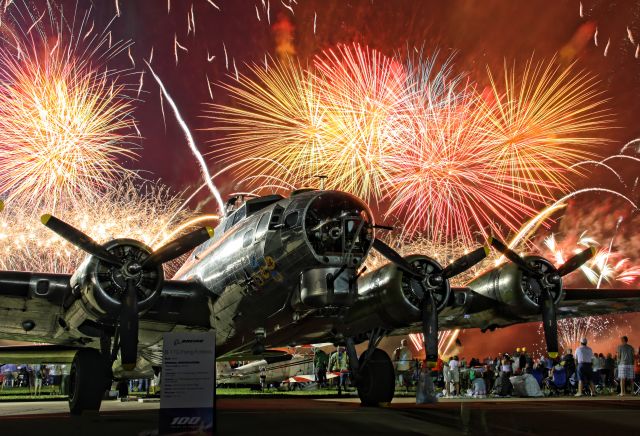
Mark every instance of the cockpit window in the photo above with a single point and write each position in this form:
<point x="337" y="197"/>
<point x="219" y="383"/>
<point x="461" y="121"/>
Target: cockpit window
<point x="337" y="224"/>
<point x="262" y="225"/>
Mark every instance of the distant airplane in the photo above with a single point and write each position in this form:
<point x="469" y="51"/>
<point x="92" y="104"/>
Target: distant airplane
<point x="276" y="272"/>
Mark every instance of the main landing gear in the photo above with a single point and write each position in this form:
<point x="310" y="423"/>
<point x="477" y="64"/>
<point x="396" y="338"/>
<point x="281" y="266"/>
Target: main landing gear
<point x="89" y="378"/>
<point x="373" y="372"/>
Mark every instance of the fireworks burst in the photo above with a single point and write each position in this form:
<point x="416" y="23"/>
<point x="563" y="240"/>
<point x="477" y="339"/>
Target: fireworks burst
<point x="452" y="162"/>
<point x="545" y="119"/>
<point x="607" y="264"/>
<point x="64" y="119"/>
<point x="365" y="94"/>
<point x="443" y="182"/>
<point x="278" y="118"/>
<point x="124" y="211"/>
<point x="333" y="119"/>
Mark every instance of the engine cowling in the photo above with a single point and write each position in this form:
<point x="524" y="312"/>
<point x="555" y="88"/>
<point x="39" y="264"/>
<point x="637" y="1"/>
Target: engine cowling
<point x="390" y="298"/>
<point x="518" y="291"/>
<point x="102" y="286"/>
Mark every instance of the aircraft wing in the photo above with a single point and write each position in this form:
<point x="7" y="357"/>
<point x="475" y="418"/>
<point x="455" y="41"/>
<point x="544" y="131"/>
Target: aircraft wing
<point x="590" y="302"/>
<point x="577" y="302"/>
<point x="30" y="304"/>
<point x="35" y="308"/>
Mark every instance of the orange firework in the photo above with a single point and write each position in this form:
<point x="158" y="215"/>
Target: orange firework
<point x="541" y="122"/>
<point x="64" y="121"/>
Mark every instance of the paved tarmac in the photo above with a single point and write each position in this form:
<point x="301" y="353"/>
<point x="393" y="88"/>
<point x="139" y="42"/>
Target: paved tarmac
<point x="328" y="417"/>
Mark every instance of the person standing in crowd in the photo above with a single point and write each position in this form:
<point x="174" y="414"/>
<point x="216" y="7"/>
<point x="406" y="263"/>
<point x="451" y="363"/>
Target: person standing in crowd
<point x="320" y="362"/>
<point x="263" y="378"/>
<point x="595" y="367"/>
<point x="38" y="374"/>
<point x="625" y="365"/>
<point x="454" y="373"/>
<point x="446" y="376"/>
<point x="603" y="369"/>
<point x="339" y="362"/>
<point x="609" y="366"/>
<point x="402" y="358"/>
<point x="584" y="357"/>
<point x="569" y="363"/>
<point x="522" y="360"/>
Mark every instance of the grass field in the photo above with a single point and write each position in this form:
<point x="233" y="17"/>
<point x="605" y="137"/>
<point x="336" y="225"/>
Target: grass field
<point x="23" y="394"/>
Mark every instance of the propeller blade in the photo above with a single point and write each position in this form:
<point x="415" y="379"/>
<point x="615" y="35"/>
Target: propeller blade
<point x="465" y="262"/>
<point x="576" y="261"/>
<point x="129" y="327"/>
<point x="393" y="256"/>
<point x="430" y="327"/>
<point x="79" y="239"/>
<point x="511" y="255"/>
<point x="549" y="323"/>
<point x="179" y="246"/>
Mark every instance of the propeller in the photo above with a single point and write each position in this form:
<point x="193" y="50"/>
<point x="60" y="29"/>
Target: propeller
<point x="79" y="239"/>
<point x="128" y="321"/>
<point x="128" y="313"/>
<point x="429" y="284"/>
<point x="548" y="279"/>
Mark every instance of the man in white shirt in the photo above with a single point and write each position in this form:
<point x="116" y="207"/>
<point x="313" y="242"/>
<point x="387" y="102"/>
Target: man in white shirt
<point x="403" y="360"/>
<point x="584" y="357"/>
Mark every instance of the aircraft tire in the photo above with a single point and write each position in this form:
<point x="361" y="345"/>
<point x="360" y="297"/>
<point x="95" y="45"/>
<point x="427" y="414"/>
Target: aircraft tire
<point x="377" y="382"/>
<point x="88" y="380"/>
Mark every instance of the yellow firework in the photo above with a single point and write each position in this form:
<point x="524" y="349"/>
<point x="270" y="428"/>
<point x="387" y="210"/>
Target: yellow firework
<point x="278" y="118"/>
<point x="334" y="119"/>
<point x="149" y="214"/>
<point x="64" y="121"/>
<point x="541" y="121"/>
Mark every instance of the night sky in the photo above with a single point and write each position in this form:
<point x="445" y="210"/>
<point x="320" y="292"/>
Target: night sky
<point x="481" y="33"/>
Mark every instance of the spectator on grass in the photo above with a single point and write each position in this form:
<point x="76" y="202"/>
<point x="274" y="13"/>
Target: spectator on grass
<point x="625" y="365"/>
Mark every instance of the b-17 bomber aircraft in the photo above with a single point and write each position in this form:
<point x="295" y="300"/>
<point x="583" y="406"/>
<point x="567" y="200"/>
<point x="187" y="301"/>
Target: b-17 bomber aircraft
<point x="276" y="272"/>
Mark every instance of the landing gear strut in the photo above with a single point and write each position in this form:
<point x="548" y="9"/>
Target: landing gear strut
<point x="373" y="372"/>
<point x="90" y="376"/>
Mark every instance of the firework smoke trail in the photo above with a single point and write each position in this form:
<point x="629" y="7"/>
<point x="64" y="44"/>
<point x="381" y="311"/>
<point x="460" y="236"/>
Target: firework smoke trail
<point x="192" y="145"/>
<point x="64" y="116"/>
<point x="146" y="213"/>
<point x="541" y="123"/>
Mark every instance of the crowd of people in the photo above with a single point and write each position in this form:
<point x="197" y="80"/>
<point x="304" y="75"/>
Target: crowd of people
<point x="517" y="373"/>
<point x="34" y="377"/>
<point x="582" y="373"/>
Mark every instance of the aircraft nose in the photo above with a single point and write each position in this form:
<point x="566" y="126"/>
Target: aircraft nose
<point x="338" y="224"/>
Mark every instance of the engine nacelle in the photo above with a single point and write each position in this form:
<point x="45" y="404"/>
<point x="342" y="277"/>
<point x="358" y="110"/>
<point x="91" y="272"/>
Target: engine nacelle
<point x="393" y="298"/>
<point x="101" y="287"/>
<point x="517" y="291"/>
